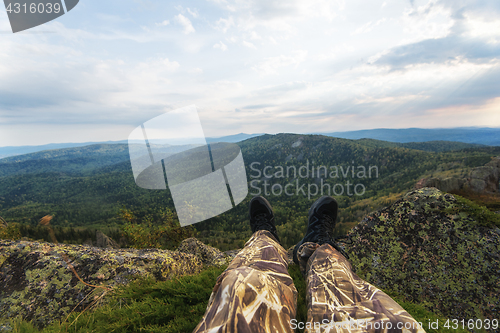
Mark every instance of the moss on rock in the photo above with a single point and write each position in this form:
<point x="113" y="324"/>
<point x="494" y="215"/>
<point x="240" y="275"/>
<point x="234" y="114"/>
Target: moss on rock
<point x="38" y="285"/>
<point x="428" y="248"/>
<point x="207" y="254"/>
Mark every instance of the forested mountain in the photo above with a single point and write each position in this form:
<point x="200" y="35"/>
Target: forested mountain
<point x="87" y="186"/>
<point x="452" y="139"/>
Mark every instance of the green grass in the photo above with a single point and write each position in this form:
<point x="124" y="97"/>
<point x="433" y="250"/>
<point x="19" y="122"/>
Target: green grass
<point x="300" y="285"/>
<point x="480" y="213"/>
<point x="145" y="305"/>
<point x="177" y="306"/>
<point x="422" y="315"/>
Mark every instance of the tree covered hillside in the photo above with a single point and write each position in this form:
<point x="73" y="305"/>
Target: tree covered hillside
<point x="88" y="186"/>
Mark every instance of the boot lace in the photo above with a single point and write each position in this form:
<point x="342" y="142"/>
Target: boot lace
<point x="325" y="230"/>
<point x="262" y="222"/>
<point x="327" y="237"/>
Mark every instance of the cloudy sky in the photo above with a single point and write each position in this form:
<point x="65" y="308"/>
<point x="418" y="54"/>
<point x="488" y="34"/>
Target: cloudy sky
<point x="252" y="66"/>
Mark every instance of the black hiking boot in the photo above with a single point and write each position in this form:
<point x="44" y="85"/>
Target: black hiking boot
<point x="262" y="216"/>
<point x="322" y="217"/>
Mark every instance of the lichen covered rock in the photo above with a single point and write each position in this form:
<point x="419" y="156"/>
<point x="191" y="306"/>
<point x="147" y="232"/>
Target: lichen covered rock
<point x="207" y="254"/>
<point x="422" y="248"/>
<point x="37" y="284"/>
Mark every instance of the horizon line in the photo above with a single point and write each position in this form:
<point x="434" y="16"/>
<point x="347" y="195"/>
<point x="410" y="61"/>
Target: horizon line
<point x="260" y="134"/>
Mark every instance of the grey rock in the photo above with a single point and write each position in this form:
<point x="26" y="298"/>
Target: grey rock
<point x="37" y="284"/>
<point x="104" y="241"/>
<point x="484" y="179"/>
<point x="449" y="184"/>
<point x="207" y="254"/>
<point x="424" y="243"/>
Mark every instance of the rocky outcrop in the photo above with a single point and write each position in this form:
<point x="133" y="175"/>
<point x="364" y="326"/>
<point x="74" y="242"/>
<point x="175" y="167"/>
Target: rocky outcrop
<point x="484" y="179"/>
<point x="3" y="223"/>
<point x="449" y="184"/>
<point x="37" y="283"/>
<point x="104" y="241"/>
<point x="206" y="254"/>
<point x="426" y="247"/>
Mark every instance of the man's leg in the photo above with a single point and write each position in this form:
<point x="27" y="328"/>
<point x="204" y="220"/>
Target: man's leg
<point x="255" y="293"/>
<point x="341" y="301"/>
<point x="337" y="299"/>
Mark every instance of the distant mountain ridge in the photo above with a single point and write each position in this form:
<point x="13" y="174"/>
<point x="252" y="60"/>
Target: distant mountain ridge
<point x="483" y="136"/>
<point x="85" y="160"/>
<point x="21" y="150"/>
<point x="478" y="136"/>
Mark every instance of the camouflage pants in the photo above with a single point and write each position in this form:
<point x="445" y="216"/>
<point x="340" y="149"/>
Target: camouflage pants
<point x="256" y="294"/>
<point x="339" y="301"/>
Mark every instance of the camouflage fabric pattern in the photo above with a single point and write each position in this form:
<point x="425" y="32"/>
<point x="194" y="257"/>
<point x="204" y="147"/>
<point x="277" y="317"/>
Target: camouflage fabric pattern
<point x="339" y="301"/>
<point x="255" y="293"/>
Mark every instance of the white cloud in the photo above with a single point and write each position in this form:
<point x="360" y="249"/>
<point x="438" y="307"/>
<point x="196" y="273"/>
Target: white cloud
<point x="367" y="27"/>
<point x="226" y="85"/>
<point x="194" y="12"/>
<point x="185" y="23"/>
<point x="479" y="27"/>
<point x="335" y="52"/>
<point x="276" y="15"/>
<point x="255" y="36"/>
<point x="249" y="45"/>
<point x="224" y="24"/>
<point x="195" y="71"/>
<point x="169" y="65"/>
<point x="427" y="21"/>
<point x="73" y="87"/>
<point x="163" y="23"/>
<point x="220" y="45"/>
<point x="271" y="65"/>
<point x="296" y="9"/>
<point x="308" y="74"/>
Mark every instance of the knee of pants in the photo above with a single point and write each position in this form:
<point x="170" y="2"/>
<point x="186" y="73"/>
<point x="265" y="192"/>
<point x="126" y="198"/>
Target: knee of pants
<point x="236" y="281"/>
<point x="246" y="284"/>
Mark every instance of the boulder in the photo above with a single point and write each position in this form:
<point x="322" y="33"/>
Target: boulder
<point x="495" y="162"/>
<point x="104" y="241"/>
<point x="426" y="247"/>
<point x="37" y="283"/>
<point x="206" y="254"/>
<point x="485" y="179"/>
